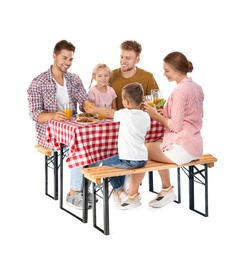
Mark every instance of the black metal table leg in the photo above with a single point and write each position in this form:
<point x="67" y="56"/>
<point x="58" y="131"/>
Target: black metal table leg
<point x="61" y="187"/>
<point x="85" y="199"/>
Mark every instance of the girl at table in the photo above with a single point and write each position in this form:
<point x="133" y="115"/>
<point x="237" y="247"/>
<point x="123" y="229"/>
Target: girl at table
<point x="182" y="118"/>
<point x="102" y="94"/>
<point x="132" y="152"/>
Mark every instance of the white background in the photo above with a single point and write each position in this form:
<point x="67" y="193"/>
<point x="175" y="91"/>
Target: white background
<point x="210" y="34"/>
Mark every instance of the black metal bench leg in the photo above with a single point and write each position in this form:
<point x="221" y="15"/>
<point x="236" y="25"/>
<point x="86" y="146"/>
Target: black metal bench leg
<point x="105" y="229"/>
<point x="192" y="176"/>
<point x="54" y="161"/>
<point x="150" y="176"/>
<point x="191" y="188"/>
<point x="94" y="206"/>
<point x="61" y="177"/>
<point x="178" y="187"/>
<point x="106" y="207"/>
<point x="206" y="191"/>
<point x="85" y="199"/>
<point x="46" y="175"/>
<point x="55" y="157"/>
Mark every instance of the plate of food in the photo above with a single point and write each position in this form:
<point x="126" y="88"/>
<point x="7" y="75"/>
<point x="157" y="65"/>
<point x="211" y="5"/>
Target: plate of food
<point x="85" y="114"/>
<point x="86" y="120"/>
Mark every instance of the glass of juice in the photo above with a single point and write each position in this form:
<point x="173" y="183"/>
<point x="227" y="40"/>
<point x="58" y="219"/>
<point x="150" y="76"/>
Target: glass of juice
<point x="101" y="116"/>
<point x="149" y="100"/>
<point x="67" y="109"/>
<point x="157" y="96"/>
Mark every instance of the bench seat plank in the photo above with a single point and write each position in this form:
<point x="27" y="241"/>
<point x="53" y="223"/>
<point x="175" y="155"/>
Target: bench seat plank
<point x="44" y="150"/>
<point x="96" y="174"/>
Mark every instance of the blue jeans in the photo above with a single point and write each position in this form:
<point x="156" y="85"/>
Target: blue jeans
<point x="76" y="177"/>
<point x="114" y="161"/>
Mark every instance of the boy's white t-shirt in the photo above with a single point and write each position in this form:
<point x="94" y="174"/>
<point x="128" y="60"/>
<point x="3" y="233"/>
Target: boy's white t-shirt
<point x="134" y="124"/>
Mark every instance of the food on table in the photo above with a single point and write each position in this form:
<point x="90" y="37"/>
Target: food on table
<point x="85" y="119"/>
<point x="86" y="115"/>
<point x="161" y="104"/>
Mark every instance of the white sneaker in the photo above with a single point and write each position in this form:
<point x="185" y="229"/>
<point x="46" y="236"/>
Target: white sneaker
<point x="163" y="198"/>
<point x="117" y="199"/>
<point x="131" y="202"/>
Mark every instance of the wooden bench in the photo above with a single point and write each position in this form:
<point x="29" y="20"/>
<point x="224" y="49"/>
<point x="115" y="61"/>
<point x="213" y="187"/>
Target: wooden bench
<point x="101" y="174"/>
<point x="51" y="162"/>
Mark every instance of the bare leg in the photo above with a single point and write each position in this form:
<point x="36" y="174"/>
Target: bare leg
<point x="155" y="153"/>
<point x="165" y="178"/>
<point x="72" y="192"/>
<point x="135" y="181"/>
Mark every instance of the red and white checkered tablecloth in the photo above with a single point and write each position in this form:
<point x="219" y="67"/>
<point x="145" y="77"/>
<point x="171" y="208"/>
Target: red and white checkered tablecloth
<point x="92" y="142"/>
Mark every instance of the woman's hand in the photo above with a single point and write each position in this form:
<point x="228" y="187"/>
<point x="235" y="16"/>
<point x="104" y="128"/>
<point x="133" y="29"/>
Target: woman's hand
<point x="156" y="114"/>
<point x="160" y="111"/>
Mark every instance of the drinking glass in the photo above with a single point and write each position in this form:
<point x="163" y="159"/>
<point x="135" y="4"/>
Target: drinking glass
<point x="149" y="100"/>
<point x="67" y="109"/>
<point x="101" y="116"/>
<point x="157" y="96"/>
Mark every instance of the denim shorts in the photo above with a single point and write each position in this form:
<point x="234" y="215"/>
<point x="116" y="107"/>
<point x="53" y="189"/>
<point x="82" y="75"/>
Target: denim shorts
<point x="114" y="161"/>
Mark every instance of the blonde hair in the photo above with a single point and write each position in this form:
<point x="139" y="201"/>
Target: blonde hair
<point x="100" y="66"/>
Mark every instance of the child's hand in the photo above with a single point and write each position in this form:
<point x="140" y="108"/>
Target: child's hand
<point x="150" y="110"/>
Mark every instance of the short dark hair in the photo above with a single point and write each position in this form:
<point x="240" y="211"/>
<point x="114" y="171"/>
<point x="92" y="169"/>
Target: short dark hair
<point x="133" y="92"/>
<point x="131" y="46"/>
<point x="63" y="45"/>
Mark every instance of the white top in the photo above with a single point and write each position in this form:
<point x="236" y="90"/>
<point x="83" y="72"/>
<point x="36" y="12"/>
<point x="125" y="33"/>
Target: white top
<point x="134" y="124"/>
<point x="62" y="95"/>
<point x="100" y="98"/>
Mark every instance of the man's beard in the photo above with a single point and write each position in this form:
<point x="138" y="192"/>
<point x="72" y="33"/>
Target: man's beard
<point x="125" y="69"/>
